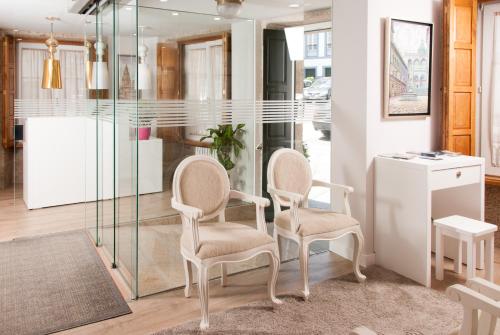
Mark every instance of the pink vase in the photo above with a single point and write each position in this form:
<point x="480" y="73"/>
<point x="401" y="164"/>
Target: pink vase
<point x="144" y="133"/>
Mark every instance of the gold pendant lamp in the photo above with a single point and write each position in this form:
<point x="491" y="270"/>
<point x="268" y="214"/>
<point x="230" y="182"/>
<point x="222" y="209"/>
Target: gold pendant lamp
<point x="51" y="66"/>
<point x="88" y="65"/>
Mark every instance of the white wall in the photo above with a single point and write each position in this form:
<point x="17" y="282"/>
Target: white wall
<point x="243" y="88"/>
<point x="359" y="131"/>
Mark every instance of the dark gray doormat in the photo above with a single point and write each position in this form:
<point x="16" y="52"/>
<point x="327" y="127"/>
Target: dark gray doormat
<point x="53" y="283"/>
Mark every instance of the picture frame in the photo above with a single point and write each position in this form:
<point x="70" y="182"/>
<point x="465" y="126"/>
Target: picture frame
<point x="126" y="76"/>
<point x="408" y="69"/>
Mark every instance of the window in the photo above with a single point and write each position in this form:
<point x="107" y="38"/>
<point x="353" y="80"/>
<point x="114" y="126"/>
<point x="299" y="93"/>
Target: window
<point x="310" y="73"/>
<point x="30" y="70"/>
<point x="327" y="71"/>
<point x="328" y="36"/>
<point x="312" y="44"/>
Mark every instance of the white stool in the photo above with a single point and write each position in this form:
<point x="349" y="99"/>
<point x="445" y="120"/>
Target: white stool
<point x="470" y="231"/>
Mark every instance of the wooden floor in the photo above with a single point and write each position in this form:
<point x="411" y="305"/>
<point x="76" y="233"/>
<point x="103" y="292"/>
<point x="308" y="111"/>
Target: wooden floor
<point x="168" y="309"/>
<point x="165" y="310"/>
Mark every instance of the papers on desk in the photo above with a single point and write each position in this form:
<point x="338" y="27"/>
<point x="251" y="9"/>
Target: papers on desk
<point x="399" y="156"/>
<point x="432" y="155"/>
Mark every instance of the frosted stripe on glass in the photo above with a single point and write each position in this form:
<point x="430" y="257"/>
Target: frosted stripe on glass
<point x="175" y="113"/>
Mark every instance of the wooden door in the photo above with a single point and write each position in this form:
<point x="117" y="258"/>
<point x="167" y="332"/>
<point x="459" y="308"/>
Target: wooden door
<point x="8" y="73"/>
<point x="278" y="85"/>
<point x="168" y="84"/>
<point x="459" y="78"/>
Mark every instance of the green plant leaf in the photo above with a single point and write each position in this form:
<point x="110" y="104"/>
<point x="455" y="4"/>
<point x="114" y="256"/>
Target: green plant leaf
<point x="239" y="144"/>
<point x="225" y="142"/>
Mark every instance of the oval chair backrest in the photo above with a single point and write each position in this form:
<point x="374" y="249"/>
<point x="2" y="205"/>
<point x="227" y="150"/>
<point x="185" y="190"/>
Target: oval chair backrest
<point x="202" y="182"/>
<point x="288" y="170"/>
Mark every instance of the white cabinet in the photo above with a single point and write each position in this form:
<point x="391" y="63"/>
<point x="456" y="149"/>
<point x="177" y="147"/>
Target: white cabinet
<point x="408" y="194"/>
<point x="60" y="162"/>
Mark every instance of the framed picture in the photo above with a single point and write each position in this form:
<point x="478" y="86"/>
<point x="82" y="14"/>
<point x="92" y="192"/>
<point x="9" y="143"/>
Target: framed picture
<point x="408" y="69"/>
<point x="126" y="76"/>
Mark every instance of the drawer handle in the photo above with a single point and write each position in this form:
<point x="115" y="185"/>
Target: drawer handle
<point x="459" y="174"/>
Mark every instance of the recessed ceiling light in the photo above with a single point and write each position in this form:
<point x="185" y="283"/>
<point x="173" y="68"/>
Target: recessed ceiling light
<point x="19" y="39"/>
<point x="15" y="30"/>
<point x="163" y="0"/>
<point x="294" y="5"/>
<point x="175" y="13"/>
<point x="128" y="8"/>
<point x="217" y="18"/>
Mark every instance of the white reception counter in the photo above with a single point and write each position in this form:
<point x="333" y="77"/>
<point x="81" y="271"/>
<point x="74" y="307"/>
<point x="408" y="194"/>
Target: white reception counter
<point x="60" y="162"/>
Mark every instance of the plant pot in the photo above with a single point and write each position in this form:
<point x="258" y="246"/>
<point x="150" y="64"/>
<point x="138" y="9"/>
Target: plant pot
<point x="144" y="133"/>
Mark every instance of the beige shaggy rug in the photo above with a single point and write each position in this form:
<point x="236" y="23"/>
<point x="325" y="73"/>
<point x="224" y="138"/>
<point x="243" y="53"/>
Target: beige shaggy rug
<point x="387" y="303"/>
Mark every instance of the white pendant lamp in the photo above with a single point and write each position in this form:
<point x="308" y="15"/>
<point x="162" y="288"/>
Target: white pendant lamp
<point x="100" y="74"/>
<point x="229" y="8"/>
<point x="295" y="42"/>
<point x="143" y="70"/>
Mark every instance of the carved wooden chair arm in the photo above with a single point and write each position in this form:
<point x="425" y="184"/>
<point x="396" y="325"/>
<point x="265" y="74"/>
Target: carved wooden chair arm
<point x="188" y="211"/>
<point x="260" y="204"/>
<point x="191" y="215"/>
<point x="293" y="197"/>
<point x="295" y="200"/>
<point x="472" y="300"/>
<point x="346" y="189"/>
<point x="259" y="201"/>
<point x="484" y="287"/>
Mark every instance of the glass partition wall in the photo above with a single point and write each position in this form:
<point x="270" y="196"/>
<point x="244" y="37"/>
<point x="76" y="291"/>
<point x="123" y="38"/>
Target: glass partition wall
<point x="167" y="78"/>
<point x="154" y="84"/>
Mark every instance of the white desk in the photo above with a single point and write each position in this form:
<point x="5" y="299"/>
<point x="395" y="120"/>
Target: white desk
<point x="408" y="193"/>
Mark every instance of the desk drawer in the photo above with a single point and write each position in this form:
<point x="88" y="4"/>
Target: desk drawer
<point x="442" y="179"/>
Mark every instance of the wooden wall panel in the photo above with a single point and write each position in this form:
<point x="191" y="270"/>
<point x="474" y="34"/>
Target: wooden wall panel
<point x="167" y="71"/>
<point x="463" y="67"/>
<point x="462" y="144"/>
<point x="168" y="84"/>
<point x="461" y="113"/>
<point x="459" y="73"/>
<point x="463" y="32"/>
<point x="8" y="73"/>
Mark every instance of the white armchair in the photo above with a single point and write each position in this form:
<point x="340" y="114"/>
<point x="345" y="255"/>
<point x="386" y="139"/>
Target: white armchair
<point x="480" y="300"/>
<point x="289" y="182"/>
<point x="201" y="192"/>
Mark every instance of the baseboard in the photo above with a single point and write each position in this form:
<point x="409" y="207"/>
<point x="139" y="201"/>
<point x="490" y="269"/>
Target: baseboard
<point x="367" y="260"/>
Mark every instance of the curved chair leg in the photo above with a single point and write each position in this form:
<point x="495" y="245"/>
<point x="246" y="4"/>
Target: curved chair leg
<point x="188" y="274"/>
<point x="223" y="275"/>
<point x="203" y="293"/>
<point x="358" y="247"/>
<point x="277" y="240"/>
<point x="274" y="268"/>
<point x="304" y="267"/>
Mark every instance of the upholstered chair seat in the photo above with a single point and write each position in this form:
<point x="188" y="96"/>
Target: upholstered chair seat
<point x="315" y="221"/>
<point x="290" y="180"/>
<point x="220" y="239"/>
<point x="201" y="192"/>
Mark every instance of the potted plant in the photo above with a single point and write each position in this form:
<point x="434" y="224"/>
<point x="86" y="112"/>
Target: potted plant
<point x="225" y="142"/>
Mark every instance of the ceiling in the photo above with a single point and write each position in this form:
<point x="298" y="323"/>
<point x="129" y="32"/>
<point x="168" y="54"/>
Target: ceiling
<point x="28" y="16"/>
